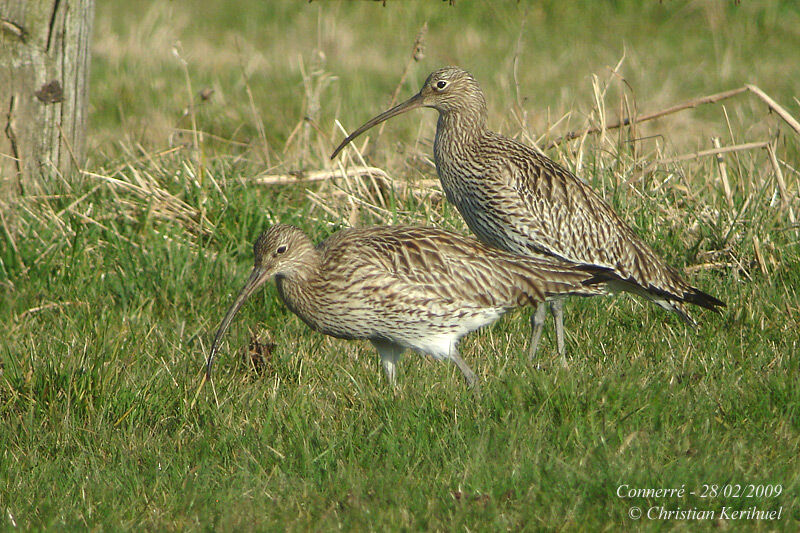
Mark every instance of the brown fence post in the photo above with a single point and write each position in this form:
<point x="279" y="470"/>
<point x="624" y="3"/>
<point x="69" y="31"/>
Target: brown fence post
<point x="44" y="89"/>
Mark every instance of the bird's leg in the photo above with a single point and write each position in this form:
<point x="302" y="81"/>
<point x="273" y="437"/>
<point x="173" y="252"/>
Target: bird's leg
<point x="469" y="375"/>
<point x="537" y="325"/>
<point x="557" y="309"/>
<point x="390" y="353"/>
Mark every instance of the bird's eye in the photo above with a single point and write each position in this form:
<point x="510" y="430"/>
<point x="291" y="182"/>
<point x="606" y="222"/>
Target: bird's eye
<point x="281" y="249"/>
<point x="441" y="84"/>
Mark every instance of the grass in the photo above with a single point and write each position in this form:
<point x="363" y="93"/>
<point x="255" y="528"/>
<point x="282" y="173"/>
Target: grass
<point x="113" y="282"/>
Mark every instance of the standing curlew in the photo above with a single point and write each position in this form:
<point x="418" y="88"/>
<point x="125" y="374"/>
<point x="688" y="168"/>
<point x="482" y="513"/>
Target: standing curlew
<point x="517" y="199"/>
<point x="403" y="286"/>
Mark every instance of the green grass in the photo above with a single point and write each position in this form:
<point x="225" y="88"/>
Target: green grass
<point x="110" y="298"/>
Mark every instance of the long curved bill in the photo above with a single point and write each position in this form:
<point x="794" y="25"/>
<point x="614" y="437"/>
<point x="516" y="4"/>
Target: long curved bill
<point x="257" y="277"/>
<point x="412" y="103"/>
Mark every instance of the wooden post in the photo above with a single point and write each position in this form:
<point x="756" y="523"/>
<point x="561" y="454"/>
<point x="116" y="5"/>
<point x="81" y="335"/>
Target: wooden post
<point x="44" y="89"/>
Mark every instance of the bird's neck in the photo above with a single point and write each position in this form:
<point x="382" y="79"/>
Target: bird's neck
<point x="458" y="130"/>
<point x="297" y="286"/>
<point x="305" y="268"/>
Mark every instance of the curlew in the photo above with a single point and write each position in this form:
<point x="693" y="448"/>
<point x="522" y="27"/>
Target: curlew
<point x="517" y="199"/>
<point x="403" y="286"/>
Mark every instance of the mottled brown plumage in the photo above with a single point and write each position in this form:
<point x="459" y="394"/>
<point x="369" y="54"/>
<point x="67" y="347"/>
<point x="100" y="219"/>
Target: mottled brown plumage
<point x="403" y="286"/>
<point x="517" y="199"/>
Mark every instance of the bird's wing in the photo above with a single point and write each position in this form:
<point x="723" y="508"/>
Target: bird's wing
<point x="433" y="264"/>
<point x="561" y="215"/>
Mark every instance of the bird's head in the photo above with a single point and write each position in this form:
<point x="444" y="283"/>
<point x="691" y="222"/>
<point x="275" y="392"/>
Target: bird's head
<point x="451" y="89"/>
<point x="283" y="251"/>
<point x="448" y="90"/>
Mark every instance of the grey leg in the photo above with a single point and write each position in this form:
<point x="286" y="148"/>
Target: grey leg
<point x="537" y="325"/>
<point x="469" y="375"/>
<point x="390" y="353"/>
<point x="557" y="308"/>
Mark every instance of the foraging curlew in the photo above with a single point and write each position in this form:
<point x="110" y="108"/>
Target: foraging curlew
<point x="403" y="286"/>
<point x="517" y="199"/>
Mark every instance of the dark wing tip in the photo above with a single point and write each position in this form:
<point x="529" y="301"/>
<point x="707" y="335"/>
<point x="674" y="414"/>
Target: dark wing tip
<point x="600" y="274"/>
<point x="703" y="299"/>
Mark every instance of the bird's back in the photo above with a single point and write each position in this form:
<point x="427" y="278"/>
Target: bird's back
<point x="519" y="200"/>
